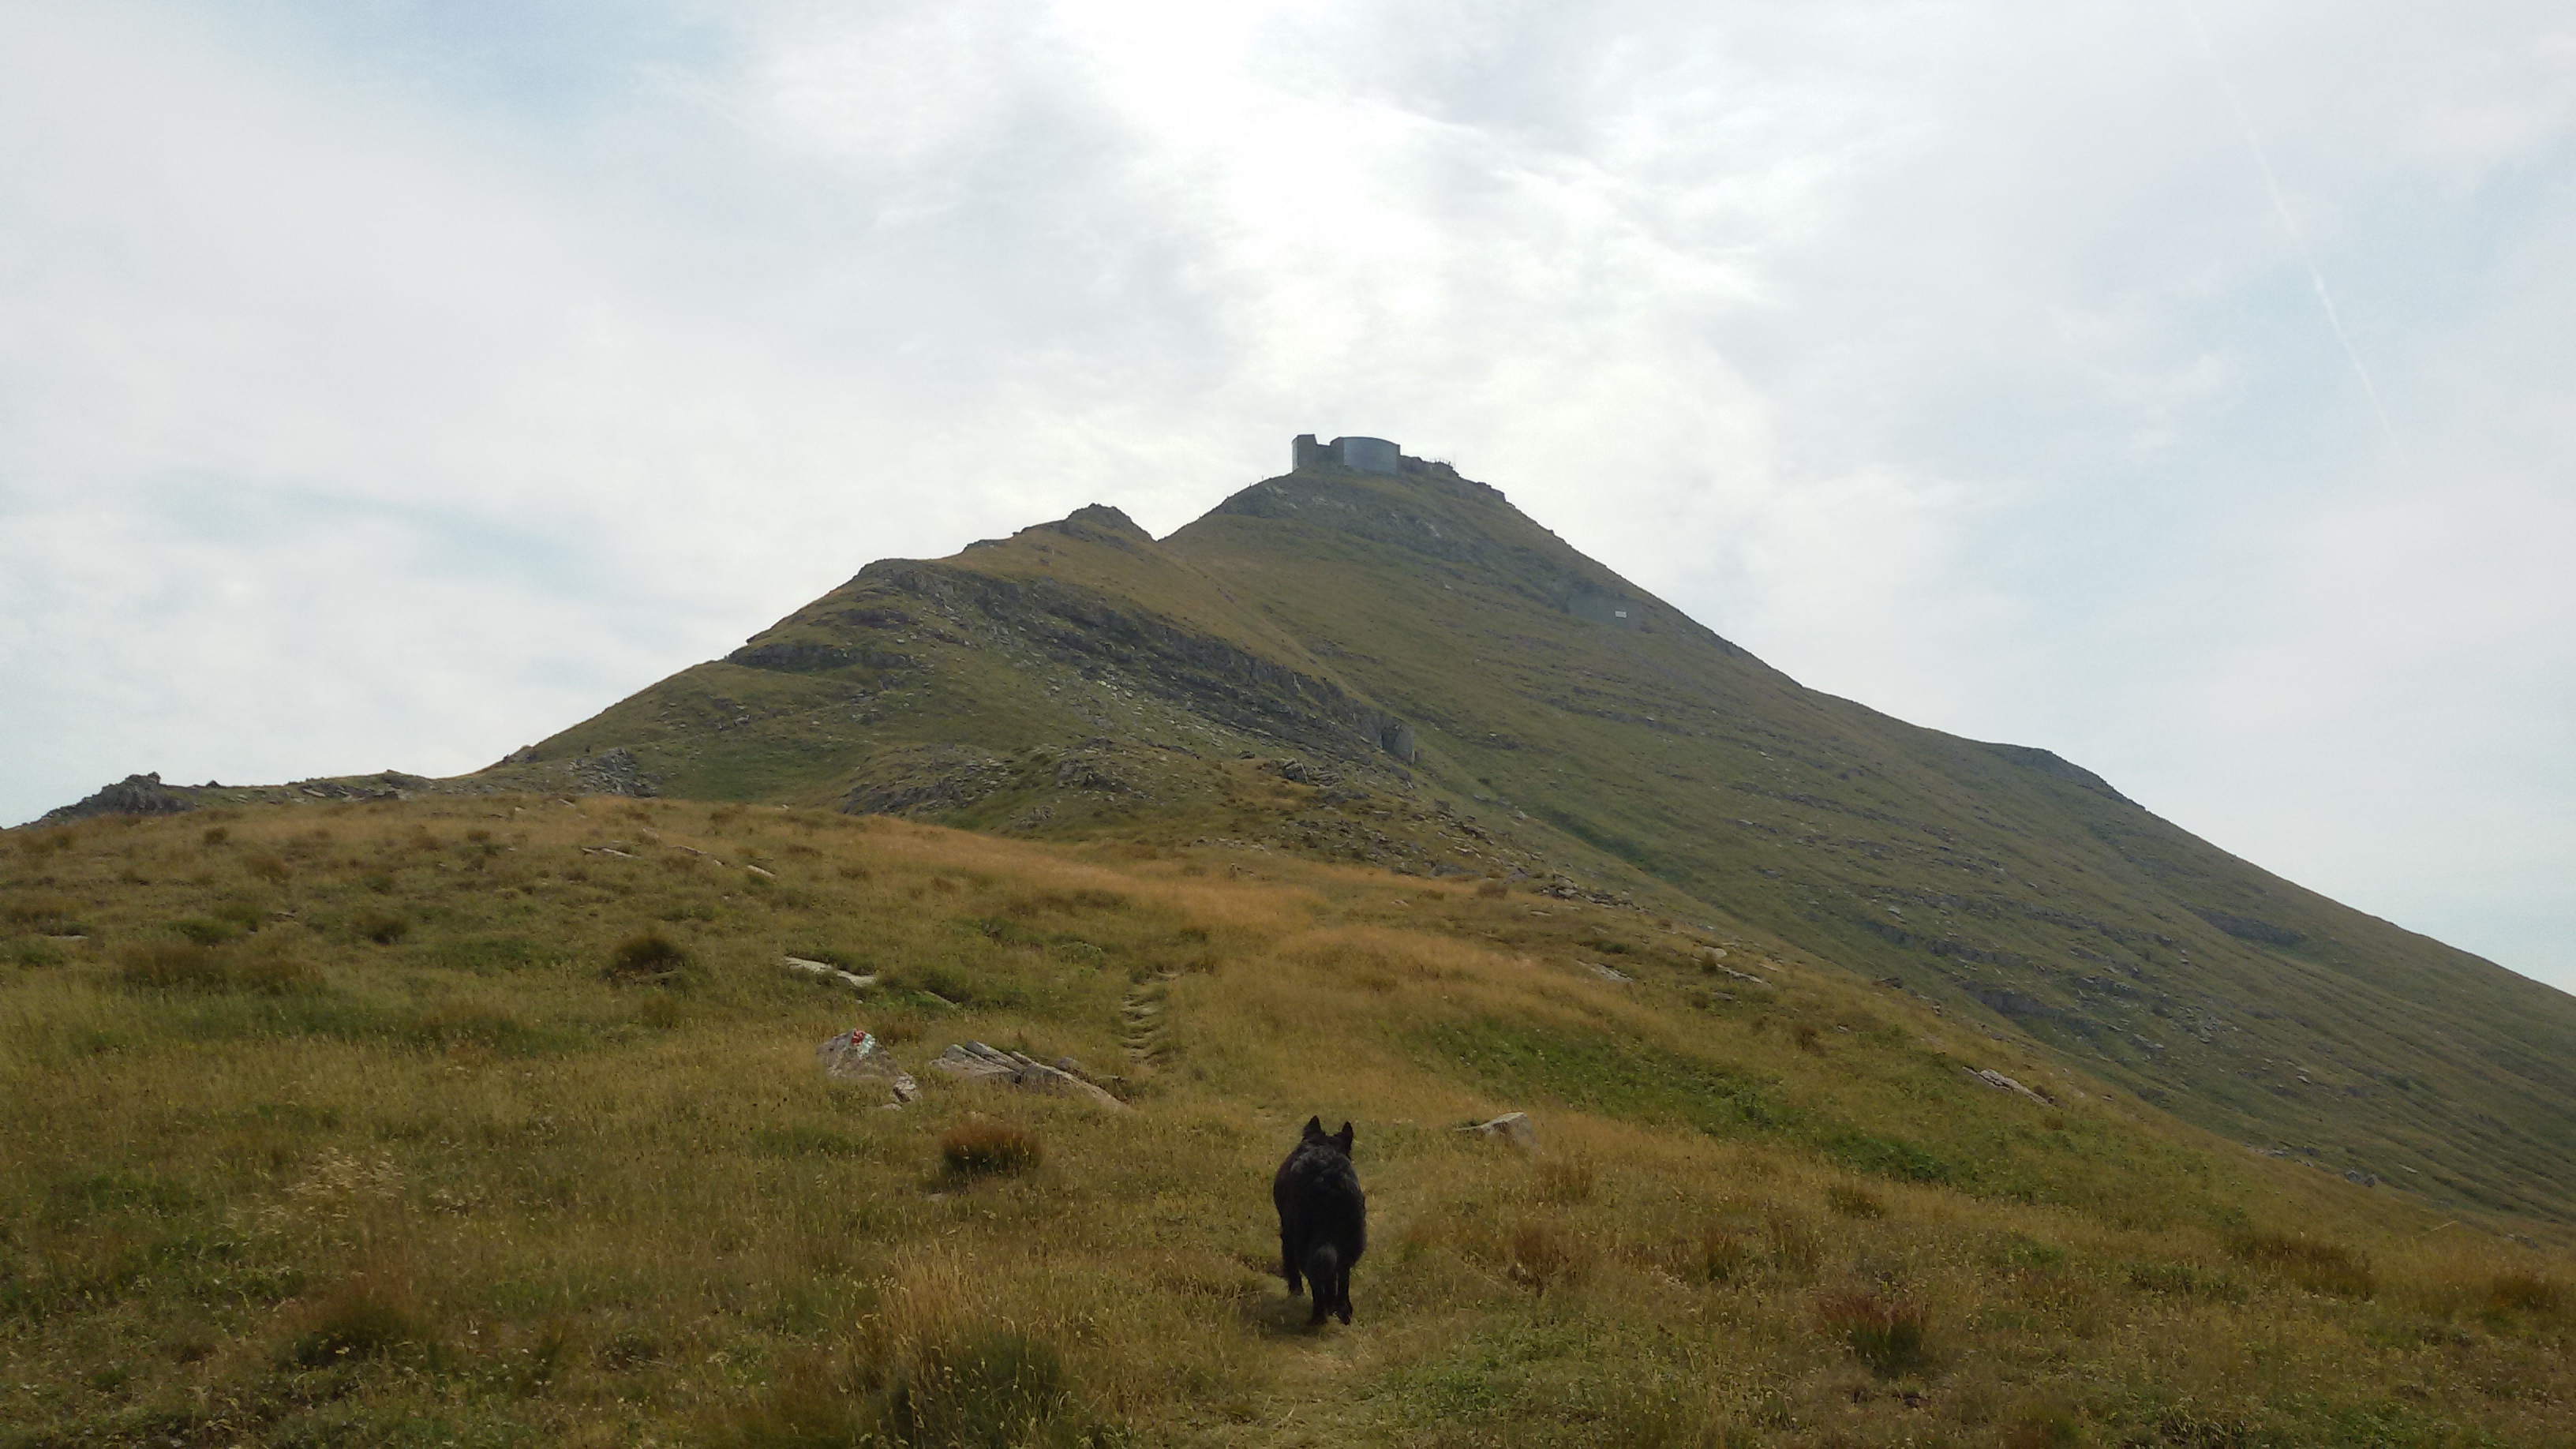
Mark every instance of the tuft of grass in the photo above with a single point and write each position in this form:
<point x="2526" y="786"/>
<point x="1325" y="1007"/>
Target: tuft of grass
<point x="51" y="914"/>
<point x="2311" y="1263"/>
<point x="1566" y="1180"/>
<point x="359" y="1320"/>
<point x="1793" y="1244"/>
<point x="895" y="1028"/>
<point x="36" y="954"/>
<point x="205" y="931"/>
<point x="648" y="958"/>
<point x="996" y="1387"/>
<point x="2524" y="1292"/>
<point x="982" y="1145"/>
<point x="1854" y="1202"/>
<point x="266" y="866"/>
<point x="1715" y="1255"/>
<point x="2048" y="1424"/>
<point x="1545" y="1255"/>
<point x="2181" y="1280"/>
<point x="1888" y="1334"/>
<point x="384" y="927"/>
<point x="986" y="1387"/>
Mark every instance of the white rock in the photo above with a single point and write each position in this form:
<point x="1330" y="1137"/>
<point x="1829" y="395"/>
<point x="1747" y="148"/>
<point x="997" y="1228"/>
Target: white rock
<point x="828" y="972"/>
<point x="1512" y="1127"/>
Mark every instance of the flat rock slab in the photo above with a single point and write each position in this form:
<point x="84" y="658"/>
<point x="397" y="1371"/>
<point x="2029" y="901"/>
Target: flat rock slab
<point x="828" y="972"/>
<point x="856" y="1056"/>
<point x="973" y="1061"/>
<point x="1512" y="1127"/>
<point x="2002" y="1083"/>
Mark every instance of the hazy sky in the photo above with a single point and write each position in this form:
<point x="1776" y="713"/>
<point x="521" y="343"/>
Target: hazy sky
<point x="392" y="384"/>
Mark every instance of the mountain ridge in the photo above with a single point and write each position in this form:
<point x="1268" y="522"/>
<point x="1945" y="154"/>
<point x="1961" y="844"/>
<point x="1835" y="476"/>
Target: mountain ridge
<point x="1400" y="668"/>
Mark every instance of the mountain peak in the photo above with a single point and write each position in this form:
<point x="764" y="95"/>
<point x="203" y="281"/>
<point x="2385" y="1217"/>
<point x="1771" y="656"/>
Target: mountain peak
<point x="1374" y="658"/>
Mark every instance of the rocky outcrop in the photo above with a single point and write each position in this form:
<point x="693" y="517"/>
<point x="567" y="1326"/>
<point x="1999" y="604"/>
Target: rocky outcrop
<point x="2002" y="1083"/>
<point x="975" y="1062"/>
<point x="897" y="602"/>
<point x="2048" y="762"/>
<point x="613" y="772"/>
<point x="133" y="795"/>
<point x="2247" y="928"/>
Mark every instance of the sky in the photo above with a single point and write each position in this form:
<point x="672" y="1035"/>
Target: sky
<point x="2192" y="393"/>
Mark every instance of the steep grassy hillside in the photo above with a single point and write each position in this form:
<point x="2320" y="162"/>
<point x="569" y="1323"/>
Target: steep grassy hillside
<point x="1984" y="876"/>
<point x="1406" y="671"/>
<point x="498" y="1120"/>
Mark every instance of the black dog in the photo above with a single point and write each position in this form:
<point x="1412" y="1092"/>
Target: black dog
<point x="1323" y="1219"/>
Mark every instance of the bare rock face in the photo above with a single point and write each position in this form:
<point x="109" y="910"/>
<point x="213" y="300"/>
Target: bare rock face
<point x="857" y="1056"/>
<point x="1512" y="1127"/>
<point x="133" y="795"/>
<point x="975" y="1062"/>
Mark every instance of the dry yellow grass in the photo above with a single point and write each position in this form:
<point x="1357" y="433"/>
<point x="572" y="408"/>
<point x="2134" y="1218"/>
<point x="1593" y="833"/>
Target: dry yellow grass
<point x="473" y="1180"/>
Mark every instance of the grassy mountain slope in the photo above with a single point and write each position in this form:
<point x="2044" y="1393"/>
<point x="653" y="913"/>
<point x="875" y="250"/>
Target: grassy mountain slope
<point x="1475" y="695"/>
<point x="367" y="1122"/>
<point x="1405" y="671"/>
<point x="1987" y="875"/>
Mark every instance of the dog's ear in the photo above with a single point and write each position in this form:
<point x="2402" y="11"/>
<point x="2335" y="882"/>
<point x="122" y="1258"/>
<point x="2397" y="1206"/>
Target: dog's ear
<point x="1314" y="1126"/>
<point x="1344" y="1138"/>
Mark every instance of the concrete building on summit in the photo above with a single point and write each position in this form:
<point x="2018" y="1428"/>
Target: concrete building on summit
<point x="1360" y="455"/>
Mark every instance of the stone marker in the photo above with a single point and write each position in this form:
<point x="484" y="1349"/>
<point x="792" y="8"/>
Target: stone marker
<point x="975" y="1062"/>
<point x="856" y="1056"/>
<point x="1511" y="1127"/>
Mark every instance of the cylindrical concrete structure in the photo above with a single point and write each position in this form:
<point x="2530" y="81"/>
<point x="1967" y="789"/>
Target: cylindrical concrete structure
<point x="1369" y="455"/>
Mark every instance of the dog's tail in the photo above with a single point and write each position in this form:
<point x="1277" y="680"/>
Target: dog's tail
<point x="1323" y="1270"/>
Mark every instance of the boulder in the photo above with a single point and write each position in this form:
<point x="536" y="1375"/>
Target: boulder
<point x="975" y="1062"/>
<point x="857" y="1056"/>
<point x="1512" y="1127"/>
<point x="1610" y="973"/>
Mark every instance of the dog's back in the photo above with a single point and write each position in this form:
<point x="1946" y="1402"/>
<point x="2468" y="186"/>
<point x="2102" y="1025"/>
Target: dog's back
<point x="1323" y="1218"/>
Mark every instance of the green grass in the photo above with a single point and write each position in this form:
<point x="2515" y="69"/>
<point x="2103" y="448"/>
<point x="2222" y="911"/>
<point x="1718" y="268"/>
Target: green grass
<point x="476" y="1185"/>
